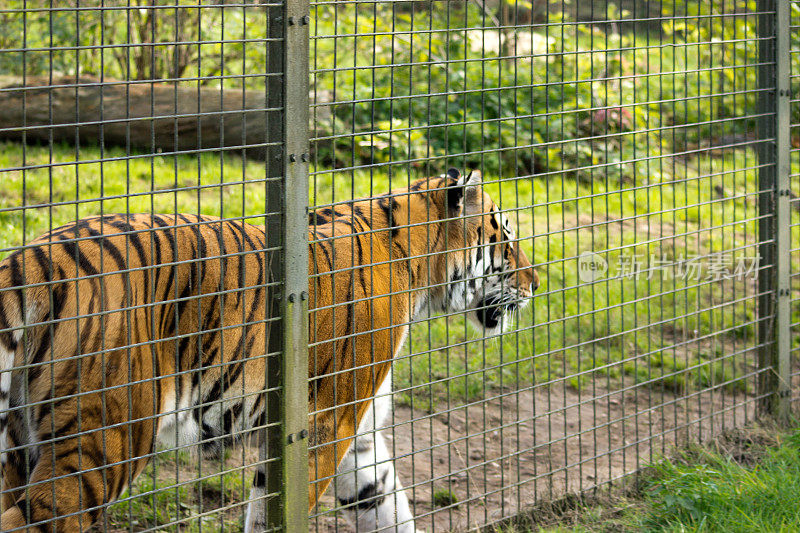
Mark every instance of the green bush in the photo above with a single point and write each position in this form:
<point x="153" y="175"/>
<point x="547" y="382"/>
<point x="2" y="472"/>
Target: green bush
<point x="400" y="87"/>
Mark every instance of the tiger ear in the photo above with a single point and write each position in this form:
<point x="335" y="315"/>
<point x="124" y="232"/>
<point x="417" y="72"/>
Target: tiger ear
<point x="463" y="197"/>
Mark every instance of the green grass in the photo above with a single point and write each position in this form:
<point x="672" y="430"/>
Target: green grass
<point x="89" y="181"/>
<point x="167" y="497"/>
<point x="671" y="333"/>
<point x="444" y="498"/>
<point x="746" y="486"/>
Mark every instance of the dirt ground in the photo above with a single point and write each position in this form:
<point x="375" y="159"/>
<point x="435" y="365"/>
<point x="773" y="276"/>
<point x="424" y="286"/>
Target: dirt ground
<point x="469" y="466"/>
<point x="487" y="460"/>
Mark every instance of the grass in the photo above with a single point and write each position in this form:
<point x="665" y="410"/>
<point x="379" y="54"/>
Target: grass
<point x="745" y="481"/>
<point x="167" y="497"/>
<point x="668" y="332"/>
<point x="88" y="181"/>
<point x="444" y="498"/>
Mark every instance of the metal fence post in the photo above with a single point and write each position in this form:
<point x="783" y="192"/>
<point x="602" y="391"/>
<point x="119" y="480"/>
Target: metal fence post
<point x="295" y="216"/>
<point x="774" y="208"/>
<point x="287" y="194"/>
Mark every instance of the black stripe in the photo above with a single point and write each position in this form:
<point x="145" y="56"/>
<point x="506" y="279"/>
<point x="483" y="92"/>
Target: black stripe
<point x="173" y="244"/>
<point x="360" y="262"/>
<point x="91" y="499"/>
<point x="60" y="294"/>
<point x="211" y="321"/>
<point x="157" y="271"/>
<point x="39" y="355"/>
<point x="358" y="211"/>
<point x="169" y="288"/>
<point x="323" y="247"/>
<point x="44" y="263"/>
<point x="72" y="228"/>
<point x="230" y="416"/>
<point x="198" y="373"/>
<point x="17" y="278"/>
<point x="256" y="302"/>
<point x="403" y="251"/>
<point x="106" y="245"/>
<point x="233" y="229"/>
<point x="201" y="243"/>
<point x="417" y="185"/>
<point x="217" y="228"/>
<point x="7" y="337"/>
<point x="229" y="374"/>
<point x="316" y="219"/>
<point x="63" y="429"/>
<point x="184" y="300"/>
<point x="256" y="406"/>
<point x="240" y="273"/>
<point x="439" y="228"/>
<point x="349" y="341"/>
<point x="258" y="256"/>
<point x="74" y="252"/>
<point x="25" y="506"/>
<point x="135" y="239"/>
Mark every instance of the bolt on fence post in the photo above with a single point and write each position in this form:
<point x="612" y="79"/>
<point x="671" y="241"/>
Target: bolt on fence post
<point x="774" y="209"/>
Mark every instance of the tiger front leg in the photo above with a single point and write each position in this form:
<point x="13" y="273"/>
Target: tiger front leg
<point x="367" y="485"/>
<point x="370" y="491"/>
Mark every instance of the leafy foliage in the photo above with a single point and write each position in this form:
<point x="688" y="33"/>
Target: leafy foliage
<point x="711" y="492"/>
<point x="133" y="40"/>
<point x="400" y="87"/>
<point x="571" y="99"/>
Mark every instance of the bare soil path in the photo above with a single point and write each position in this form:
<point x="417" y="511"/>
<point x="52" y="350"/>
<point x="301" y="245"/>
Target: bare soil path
<point x="504" y="453"/>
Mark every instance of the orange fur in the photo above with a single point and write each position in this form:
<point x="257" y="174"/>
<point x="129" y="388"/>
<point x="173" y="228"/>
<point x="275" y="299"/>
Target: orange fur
<point x="127" y="314"/>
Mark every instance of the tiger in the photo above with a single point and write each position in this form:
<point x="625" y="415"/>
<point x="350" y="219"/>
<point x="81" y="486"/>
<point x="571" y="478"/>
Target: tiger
<point x="154" y="329"/>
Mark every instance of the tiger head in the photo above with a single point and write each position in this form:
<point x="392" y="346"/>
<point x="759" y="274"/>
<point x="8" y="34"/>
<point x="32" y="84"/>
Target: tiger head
<point x="484" y="273"/>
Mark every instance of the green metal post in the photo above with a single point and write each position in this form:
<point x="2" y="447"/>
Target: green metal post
<point x="774" y="311"/>
<point x="295" y="195"/>
<point x="287" y="194"/>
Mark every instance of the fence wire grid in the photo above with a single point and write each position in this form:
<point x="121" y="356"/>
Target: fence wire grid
<point x="258" y="229"/>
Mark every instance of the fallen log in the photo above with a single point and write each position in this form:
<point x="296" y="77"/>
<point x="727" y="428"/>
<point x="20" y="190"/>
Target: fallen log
<point x="153" y="117"/>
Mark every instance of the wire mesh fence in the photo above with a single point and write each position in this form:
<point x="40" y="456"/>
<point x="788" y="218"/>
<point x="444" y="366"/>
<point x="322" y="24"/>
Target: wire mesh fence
<point x="794" y="184"/>
<point x="633" y="147"/>
<point x="144" y="213"/>
<point x="633" y="163"/>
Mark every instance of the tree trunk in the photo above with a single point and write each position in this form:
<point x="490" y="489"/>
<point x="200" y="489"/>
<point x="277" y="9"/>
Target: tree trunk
<point x="151" y="117"/>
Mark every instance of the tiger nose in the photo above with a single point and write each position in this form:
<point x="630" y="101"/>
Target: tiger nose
<point x="535" y="282"/>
